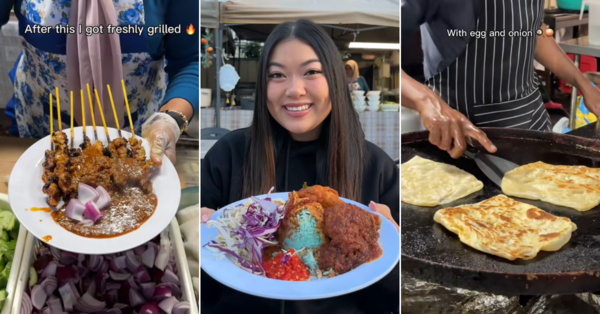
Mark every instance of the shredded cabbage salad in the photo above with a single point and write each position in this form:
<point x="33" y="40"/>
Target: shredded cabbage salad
<point x="245" y="230"/>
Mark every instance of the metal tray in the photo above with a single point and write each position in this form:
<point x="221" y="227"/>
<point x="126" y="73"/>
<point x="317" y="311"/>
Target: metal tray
<point x="32" y="245"/>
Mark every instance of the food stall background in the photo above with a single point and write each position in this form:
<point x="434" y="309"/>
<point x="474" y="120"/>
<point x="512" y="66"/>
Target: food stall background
<point x="428" y="298"/>
<point x="244" y="25"/>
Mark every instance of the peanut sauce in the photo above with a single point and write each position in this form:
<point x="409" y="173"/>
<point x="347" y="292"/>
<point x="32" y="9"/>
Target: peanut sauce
<point x="47" y="238"/>
<point x="128" y="210"/>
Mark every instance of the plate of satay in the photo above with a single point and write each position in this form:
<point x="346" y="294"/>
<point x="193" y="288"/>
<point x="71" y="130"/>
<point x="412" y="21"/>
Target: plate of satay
<point x="300" y="245"/>
<point x="93" y="190"/>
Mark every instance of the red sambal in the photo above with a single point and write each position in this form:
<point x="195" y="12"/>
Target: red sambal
<point x="291" y="270"/>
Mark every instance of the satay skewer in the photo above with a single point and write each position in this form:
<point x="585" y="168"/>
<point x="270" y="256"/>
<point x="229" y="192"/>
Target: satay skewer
<point x="58" y="109"/>
<point x="102" y="116"/>
<point x="92" y="112"/>
<point x="128" y="112"/>
<point x="83" y="115"/>
<point x="72" y="138"/>
<point x="112" y="103"/>
<point x="51" y="124"/>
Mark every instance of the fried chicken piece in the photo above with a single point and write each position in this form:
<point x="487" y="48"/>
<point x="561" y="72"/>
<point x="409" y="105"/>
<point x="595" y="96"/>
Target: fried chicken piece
<point x="354" y="234"/>
<point x="328" y="197"/>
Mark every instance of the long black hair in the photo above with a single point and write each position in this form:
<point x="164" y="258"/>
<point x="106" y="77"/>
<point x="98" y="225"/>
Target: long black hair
<point x="340" y="159"/>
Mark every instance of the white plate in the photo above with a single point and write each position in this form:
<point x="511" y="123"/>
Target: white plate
<point x="224" y="271"/>
<point x="25" y="191"/>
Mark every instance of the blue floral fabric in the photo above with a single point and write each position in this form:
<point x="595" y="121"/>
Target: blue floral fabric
<point x="39" y="72"/>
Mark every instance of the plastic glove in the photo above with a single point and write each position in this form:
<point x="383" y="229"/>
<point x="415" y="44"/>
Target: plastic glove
<point x="162" y="132"/>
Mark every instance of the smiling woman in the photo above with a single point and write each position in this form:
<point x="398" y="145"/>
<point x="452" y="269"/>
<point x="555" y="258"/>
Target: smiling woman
<point x="304" y="131"/>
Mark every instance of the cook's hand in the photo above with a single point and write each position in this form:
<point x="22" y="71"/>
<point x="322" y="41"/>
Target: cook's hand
<point x="205" y="214"/>
<point x="591" y="97"/>
<point x="162" y="132"/>
<point x="385" y="212"/>
<point x="445" y="125"/>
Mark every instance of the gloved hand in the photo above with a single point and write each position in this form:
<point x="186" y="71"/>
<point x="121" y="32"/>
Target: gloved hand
<point x="162" y="132"/>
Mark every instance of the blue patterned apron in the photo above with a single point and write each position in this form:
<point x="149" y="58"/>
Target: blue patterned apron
<point x="42" y="66"/>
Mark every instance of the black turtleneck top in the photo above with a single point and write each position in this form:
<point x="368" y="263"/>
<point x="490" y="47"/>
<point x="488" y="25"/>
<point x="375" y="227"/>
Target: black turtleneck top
<point x="221" y="184"/>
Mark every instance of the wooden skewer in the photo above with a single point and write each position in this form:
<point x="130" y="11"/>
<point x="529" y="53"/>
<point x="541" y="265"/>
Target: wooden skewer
<point x="83" y="115"/>
<point x="128" y="112"/>
<point x="58" y="110"/>
<point x="51" y="124"/>
<point x="101" y="114"/>
<point x="72" y="138"/>
<point x="92" y="111"/>
<point x="112" y="103"/>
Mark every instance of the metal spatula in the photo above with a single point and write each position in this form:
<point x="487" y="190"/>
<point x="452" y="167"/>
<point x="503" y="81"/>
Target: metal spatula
<point x="492" y="166"/>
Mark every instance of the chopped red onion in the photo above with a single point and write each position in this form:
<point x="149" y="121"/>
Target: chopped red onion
<point x="26" y="305"/>
<point x="88" y="304"/>
<point x="75" y="209"/>
<point x="49" y="285"/>
<point x="182" y="307"/>
<point x="38" y="296"/>
<point x="69" y="298"/>
<point x="148" y="289"/>
<point x="113" y="285"/>
<point x="150" y="308"/>
<point x="86" y="193"/>
<point x="132" y="261"/>
<point x="139" y="250"/>
<point x="92" y="212"/>
<point x="135" y="298"/>
<point x="118" y="263"/>
<point x="119" y="276"/>
<point x="103" y="198"/>
<point x="168" y="304"/>
<point x="132" y="283"/>
<point x="148" y="257"/>
<point x="170" y="277"/>
<point x="141" y="274"/>
<point x="50" y="270"/>
<point x="161" y="293"/>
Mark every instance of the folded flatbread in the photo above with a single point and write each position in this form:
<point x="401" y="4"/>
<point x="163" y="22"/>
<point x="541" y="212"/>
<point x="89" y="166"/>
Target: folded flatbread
<point x="429" y="183"/>
<point x="576" y="187"/>
<point x="507" y="228"/>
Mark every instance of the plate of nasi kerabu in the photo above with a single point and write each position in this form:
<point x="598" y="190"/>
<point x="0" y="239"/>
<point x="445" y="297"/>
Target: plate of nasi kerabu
<point x="84" y="196"/>
<point x="302" y="245"/>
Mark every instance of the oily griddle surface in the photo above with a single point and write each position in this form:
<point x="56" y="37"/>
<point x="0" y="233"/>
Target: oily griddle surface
<point x="433" y="253"/>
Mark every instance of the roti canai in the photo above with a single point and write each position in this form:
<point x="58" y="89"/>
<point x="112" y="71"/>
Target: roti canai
<point x="429" y="183"/>
<point x="576" y="187"/>
<point x="507" y="228"/>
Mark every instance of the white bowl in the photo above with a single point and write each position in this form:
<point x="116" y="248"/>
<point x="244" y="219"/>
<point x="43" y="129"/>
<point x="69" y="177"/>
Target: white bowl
<point x="374" y="92"/>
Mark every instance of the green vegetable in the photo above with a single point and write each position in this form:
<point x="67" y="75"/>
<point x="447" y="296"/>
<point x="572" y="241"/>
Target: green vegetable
<point x="14" y="234"/>
<point x="4" y="235"/>
<point x="2" y="298"/>
<point x="7" y="219"/>
<point x="4" y="275"/>
<point x="33" y="277"/>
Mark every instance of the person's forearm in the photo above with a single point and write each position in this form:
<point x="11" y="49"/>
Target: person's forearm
<point x="180" y="105"/>
<point x="410" y="91"/>
<point x="549" y="54"/>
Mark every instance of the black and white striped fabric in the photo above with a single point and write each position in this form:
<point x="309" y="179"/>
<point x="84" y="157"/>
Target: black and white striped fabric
<point x="493" y="82"/>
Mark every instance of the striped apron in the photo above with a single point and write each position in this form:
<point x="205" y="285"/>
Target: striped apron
<point x="493" y="83"/>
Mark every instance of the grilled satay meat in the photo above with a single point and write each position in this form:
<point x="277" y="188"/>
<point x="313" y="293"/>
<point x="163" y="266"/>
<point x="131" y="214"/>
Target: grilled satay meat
<point x="118" y="148"/>
<point x="113" y="167"/>
<point x="56" y="162"/>
<point x="137" y="150"/>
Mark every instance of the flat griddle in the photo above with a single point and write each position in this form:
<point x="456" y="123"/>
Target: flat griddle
<point x="430" y="252"/>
